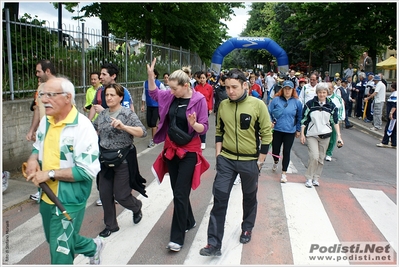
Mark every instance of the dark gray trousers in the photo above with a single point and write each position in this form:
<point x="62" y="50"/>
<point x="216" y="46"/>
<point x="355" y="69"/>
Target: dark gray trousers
<point x="227" y="171"/>
<point x="116" y="186"/>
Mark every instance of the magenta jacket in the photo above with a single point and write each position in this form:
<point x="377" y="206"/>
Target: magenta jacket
<point x="197" y="104"/>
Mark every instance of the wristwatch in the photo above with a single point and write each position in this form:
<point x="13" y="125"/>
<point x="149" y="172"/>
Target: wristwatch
<point x="51" y="174"/>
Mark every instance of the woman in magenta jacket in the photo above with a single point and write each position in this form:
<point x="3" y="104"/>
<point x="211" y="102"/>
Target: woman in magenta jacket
<point x="187" y="109"/>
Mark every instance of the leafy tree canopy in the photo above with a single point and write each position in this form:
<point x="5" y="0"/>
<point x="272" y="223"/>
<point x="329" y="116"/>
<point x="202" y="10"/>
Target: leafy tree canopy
<point x="194" y="26"/>
<point x="329" y="31"/>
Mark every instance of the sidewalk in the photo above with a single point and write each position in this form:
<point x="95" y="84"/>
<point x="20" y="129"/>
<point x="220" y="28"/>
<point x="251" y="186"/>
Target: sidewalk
<point x="365" y="127"/>
<point x="19" y="190"/>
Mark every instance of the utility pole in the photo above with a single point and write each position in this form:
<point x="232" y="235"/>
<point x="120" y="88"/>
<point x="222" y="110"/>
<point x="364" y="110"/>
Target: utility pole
<point x="60" y="41"/>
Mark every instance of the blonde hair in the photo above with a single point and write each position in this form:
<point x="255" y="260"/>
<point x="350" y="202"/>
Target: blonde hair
<point x="187" y="70"/>
<point x="181" y="77"/>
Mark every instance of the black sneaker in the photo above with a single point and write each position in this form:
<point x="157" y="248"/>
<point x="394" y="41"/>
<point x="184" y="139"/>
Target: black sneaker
<point x="107" y="232"/>
<point x="137" y="216"/>
<point x="245" y="237"/>
<point x="210" y="250"/>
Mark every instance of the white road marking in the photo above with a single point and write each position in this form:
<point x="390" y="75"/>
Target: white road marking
<point x="308" y="224"/>
<point x="382" y="211"/>
<point x="231" y="246"/>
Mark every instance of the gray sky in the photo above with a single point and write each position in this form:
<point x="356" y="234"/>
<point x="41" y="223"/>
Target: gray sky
<point x="46" y="11"/>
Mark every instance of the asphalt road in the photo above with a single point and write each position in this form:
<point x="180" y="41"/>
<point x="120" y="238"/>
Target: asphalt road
<point x="336" y="211"/>
<point x="358" y="160"/>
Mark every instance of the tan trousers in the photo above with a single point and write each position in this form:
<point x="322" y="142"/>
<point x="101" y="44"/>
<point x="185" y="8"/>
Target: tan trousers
<point x="317" y="148"/>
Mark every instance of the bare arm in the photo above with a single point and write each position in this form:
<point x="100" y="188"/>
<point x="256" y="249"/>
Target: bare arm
<point x="338" y="131"/>
<point x="92" y="112"/>
<point x="391" y="112"/>
<point x="151" y="75"/>
<point x="35" y="123"/>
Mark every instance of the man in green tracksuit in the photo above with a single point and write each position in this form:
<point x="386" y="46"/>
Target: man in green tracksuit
<point x="243" y="136"/>
<point x="65" y="157"/>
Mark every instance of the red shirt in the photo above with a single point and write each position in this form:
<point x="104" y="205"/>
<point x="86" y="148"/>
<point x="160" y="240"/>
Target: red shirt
<point x="207" y="91"/>
<point x="257" y="88"/>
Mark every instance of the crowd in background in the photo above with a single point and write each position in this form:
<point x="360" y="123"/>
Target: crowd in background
<point x="272" y="108"/>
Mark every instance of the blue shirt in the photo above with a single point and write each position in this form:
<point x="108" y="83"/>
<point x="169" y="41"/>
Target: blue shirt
<point x="126" y="101"/>
<point x="286" y="114"/>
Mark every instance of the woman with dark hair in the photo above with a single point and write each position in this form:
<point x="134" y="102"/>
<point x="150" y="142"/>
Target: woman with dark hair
<point x="116" y="127"/>
<point x="286" y="114"/>
<point x="206" y="89"/>
<point x="183" y="116"/>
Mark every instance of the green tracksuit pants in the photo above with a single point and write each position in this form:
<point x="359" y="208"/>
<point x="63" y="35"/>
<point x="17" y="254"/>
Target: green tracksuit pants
<point x="63" y="236"/>
<point x="333" y="141"/>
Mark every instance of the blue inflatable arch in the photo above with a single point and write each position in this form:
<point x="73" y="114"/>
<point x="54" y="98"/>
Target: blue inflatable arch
<point x="250" y="43"/>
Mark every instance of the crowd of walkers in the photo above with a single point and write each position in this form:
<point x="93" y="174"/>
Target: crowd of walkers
<point x="253" y="111"/>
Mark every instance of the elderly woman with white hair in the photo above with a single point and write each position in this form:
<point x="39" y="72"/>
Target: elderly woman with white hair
<point x="320" y="115"/>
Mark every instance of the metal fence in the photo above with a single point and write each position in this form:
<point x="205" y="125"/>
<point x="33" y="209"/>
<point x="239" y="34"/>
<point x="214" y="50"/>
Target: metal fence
<point x="77" y="51"/>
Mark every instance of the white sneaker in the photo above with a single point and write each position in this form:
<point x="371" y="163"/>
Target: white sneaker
<point x="35" y="196"/>
<point x="274" y="167"/>
<point x="383" y="145"/>
<point x="308" y="183"/>
<point x="237" y="180"/>
<point x="283" y="178"/>
<point x="174" y="246"/>
<point x="6" y="177"/>
<point x="151" y="143"/>
<point x="328" y="158"/>
<point x="98" y="202"/>
<point x="96" y="259"/>
<point x="203" y="146"/>
<point x="315" y="183"/>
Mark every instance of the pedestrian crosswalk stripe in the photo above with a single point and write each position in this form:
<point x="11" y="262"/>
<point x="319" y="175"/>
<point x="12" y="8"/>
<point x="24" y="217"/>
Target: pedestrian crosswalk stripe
<point x="231" y="247"/>
<point x="308" y="223"/>
<point x="381" y="210"/>
<point x="303" y="213"/>
<point x="120" y="246"/>
<point x="25" y="238"/>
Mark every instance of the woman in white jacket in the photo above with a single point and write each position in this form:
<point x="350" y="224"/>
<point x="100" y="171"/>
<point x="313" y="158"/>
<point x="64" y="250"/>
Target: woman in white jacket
<point x="319" y="116"/>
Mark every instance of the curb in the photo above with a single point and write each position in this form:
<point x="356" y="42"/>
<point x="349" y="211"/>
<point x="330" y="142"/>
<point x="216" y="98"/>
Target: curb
<point x="365" y="127"/>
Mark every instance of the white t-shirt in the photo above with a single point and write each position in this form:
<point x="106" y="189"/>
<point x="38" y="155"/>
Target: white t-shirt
<point x="380" y="89"/>
<point x="308" y="92"/>
<point x="270" y="81"/>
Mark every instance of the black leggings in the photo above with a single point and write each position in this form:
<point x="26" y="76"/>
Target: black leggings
<point x="280" y="138"/>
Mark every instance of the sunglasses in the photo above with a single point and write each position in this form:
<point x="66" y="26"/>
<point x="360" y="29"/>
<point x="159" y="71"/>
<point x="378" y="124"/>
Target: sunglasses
<point x="237" y="76"/>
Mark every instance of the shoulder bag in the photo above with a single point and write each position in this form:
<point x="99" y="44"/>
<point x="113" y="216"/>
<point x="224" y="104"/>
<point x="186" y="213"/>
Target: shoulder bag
<point x="113" y="157"/>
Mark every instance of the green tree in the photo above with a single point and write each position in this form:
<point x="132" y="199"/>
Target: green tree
<point x="322" y="32"/>
<point x="259" y="24"/>
<point x="345" y="27"/>
<point x="194" y="26"/>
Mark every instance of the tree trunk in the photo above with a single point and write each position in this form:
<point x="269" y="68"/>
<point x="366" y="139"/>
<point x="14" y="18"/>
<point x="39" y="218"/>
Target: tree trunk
<point x="60" y="39"/>
<point x="373" y="54"/>
<point x="104" y="38"/>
